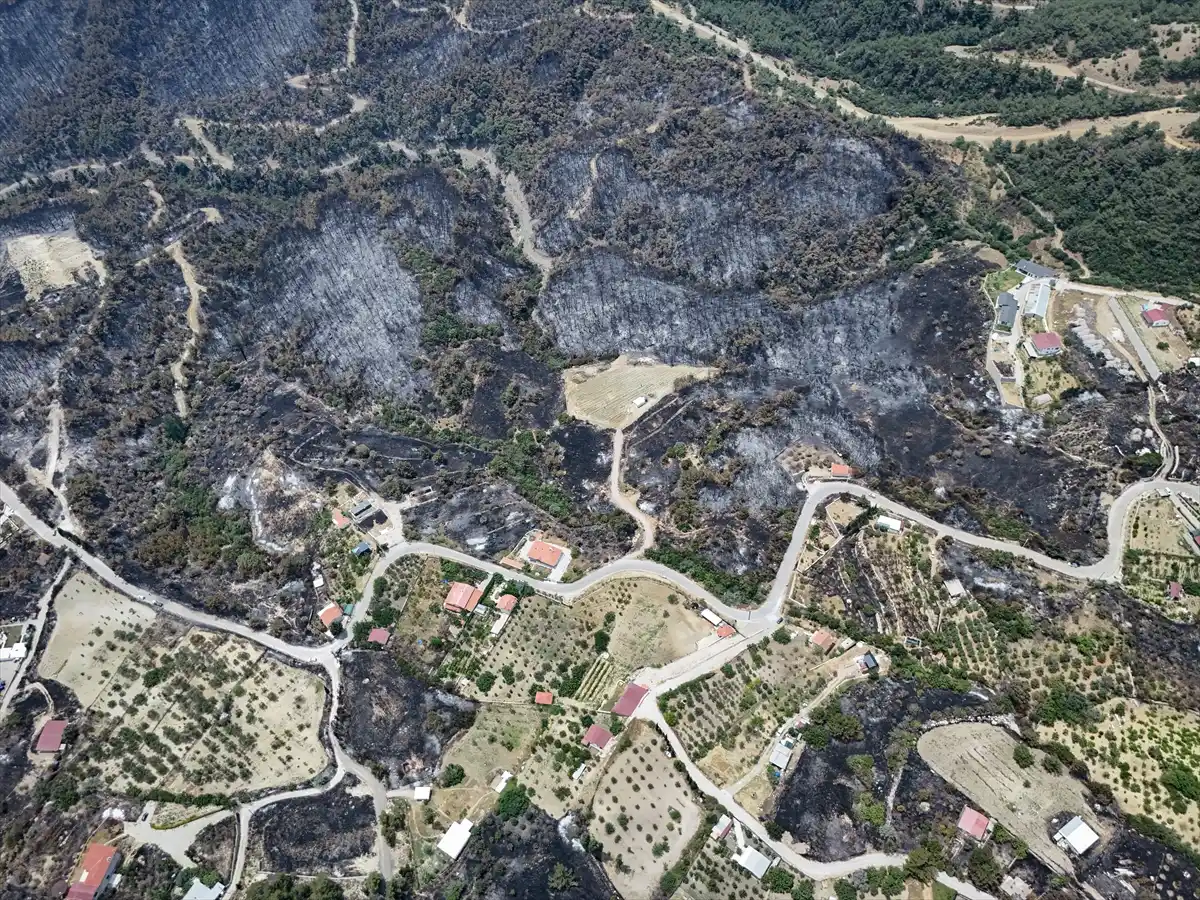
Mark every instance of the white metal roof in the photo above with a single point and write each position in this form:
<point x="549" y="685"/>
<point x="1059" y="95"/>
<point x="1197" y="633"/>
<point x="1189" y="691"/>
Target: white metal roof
<point x="455" y="838"/>
<point x="501" y="781"/>
<point x="722" y="827"/>
<point x="498" y="625"/>
<point x="753" y="862"/>
<point x="889" y="523"/>
<point x="1077" y="835"/>
<point x="781" y="756"/>
<point x="954" y="588"/>
<point x="709" y="616"/>
<point x="422" y="792"/>
<point x="200" y="891"/>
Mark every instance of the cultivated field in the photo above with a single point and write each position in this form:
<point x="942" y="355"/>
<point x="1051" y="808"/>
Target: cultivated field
<point x="1131" y="749"/>
<point x="978" y="760"/>
<point x="604" y="393"/>
<point x="715" y="876"/>
<point x="726" y="718"/>
<point x="647" y="813"/>
<point x="178" y="708"/>
<point x="1157" y="554"/>
<point x="1046" y="376"/>
<point x="557" y="754"/>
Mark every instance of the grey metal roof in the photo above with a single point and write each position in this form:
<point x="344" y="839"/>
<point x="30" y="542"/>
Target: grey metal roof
<point x="1006" y="310"/>
<point x="1029" y="267"/>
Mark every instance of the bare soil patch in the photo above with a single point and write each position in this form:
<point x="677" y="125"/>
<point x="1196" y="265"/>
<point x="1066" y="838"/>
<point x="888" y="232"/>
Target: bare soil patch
<point x="47" y="262"/>
<point x="978" y="760"/>
<point x="604" y="393"/>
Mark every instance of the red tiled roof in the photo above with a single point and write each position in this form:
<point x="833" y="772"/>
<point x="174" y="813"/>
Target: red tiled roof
<point x="726" y="631"/>
<point x="543" y="698"/>
<point x="824" y="640"/>
<point x="629" y="700"/>
<point x="1046" y="340"/>
<point x="546" y="554"/>
<point x="973" y="822"/>
<point x="597" y="736"/>
<point x="330" y="614"/>
<point x="51" y="738"/>
<point x="379" y="636"/>
<point x="512" y="563"/>
<point x="1174" y="590"/>
<point x="81" y="892"/>
<point x="839" y="470"/>
<point x="462" y="597"/>
<point x="340" y="519"/>
<point x="1153" y="314"/>
<point x="96" y="861"/>
<point x="506" y="603"/>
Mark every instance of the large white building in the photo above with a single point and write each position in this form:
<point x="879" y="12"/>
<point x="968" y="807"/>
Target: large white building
<point x="456" y="838"/>
<point x="753" y="862"/>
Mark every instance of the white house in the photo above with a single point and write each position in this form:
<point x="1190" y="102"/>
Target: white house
<point x="455" y="838"/>
<point x="1076" y="836"/>
<point x="887" y="523"/>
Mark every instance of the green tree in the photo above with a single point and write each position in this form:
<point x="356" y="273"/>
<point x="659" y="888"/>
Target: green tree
<point x="983" y="870"/>
<point x="561" y="878"/>
<point x="514" y="800"/>
<point x="803" y="890"/>
<point x="1022" y="756"/>
<point x="778" y="880"/>
<point x="453" y="774"/>
<point x="845" y="890"/>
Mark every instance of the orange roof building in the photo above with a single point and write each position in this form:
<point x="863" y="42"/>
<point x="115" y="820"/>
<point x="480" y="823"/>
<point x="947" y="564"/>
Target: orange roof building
<point x="543" y="698"/>
<point x="379" y="636"/>
<point x="840" y="470"/>
<point x="99" y="862"/>
<point x="330" y="615"/>
<point x="506" y="603"/>
<point x="340" y="519"/>
<point x="973" y="823"/>
<point x="726" y="631"/>
<point x="824" y="640"/>
<point x="546" y="554"/>
<point x="462" y="598"/>
<point x="51" y="738"/>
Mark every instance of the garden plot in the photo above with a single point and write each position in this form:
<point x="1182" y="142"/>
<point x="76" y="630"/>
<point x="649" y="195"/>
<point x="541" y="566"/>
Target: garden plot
<point x="901" y="567"/>
<point x="499" y="741"/>
<point x="1158" y="553"/>
<point x="423" y="629"/>
<point x="1148" y="755"/>
<point x="978" y="760"/>
<point x="1046" y="376"/>
<point x="557" y="755"/>
<point x="181" y="709"/>
<point x="646" y="810"/>
<point x="715" y="876"/>
<point x="726" y="718"/>
<point x="606" y="394"/>
<point x="1167" y="346"/>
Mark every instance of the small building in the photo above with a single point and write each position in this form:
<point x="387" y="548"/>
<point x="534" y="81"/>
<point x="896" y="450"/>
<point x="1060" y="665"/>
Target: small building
<point x="974" y="824"/>
<point x="511" y="562"/>
<point x="456" y="838"/>
<point x="954" y="588"/>
<point x="13" y="653"/>
<point x="1015" y="888"/>
<point x="51" y="738"/>
<point x="597" y="737"/>
<point x="1174" y="591"/>
<point x="711" y="618"/>
<point x="629" y="700"/>
<point x="340" y="519"/>
<point x="462" y="598"/>
<point x="781" y="755"/>
<point x="543" y="698"/>
<point x="722" y="827"/>
<point x="362" y="548"/>
<point x="500" y="623"/>
<point x="1155" y="317"/>
<point x="1006" y="311"/>
<point x="500" y="782"/>
<point x="1037" y="301"/>
<point x="869" y="663"/>
<point x="330" y="615"/>
<point x="379" y="636"/>
<point x="726" y="631"/>
<point x="753" y="862"/>
<point x="507" y="603"/>
<point x="318" y="583"/>
<point x="579" y="772"/>
<point x="1044" y="344"/>
<point x="1034" y="270"/>
<point x="1076" y="836"/>
<point x="422" y="793"/>
<point x="840" y="470"/>
<point x="95" y="872"/>
<point x="200" y="891"/>
<point x="823" y="639"/>
<point x="546" y="554"/>
<point x="887" y="523"/>
<point x="364" y="509"/>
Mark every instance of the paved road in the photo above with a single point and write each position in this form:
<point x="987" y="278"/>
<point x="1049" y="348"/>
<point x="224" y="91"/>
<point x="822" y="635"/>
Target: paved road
<point x="1153" y="372"/>
<point x="32" y="644"/>
<point x="750" y="623"/>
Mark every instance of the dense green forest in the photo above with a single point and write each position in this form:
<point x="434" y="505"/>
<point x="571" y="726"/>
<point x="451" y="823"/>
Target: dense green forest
<point x="1128" y="202"/>
<point x="895" y="53"/>
<point x="1083" y="29"/>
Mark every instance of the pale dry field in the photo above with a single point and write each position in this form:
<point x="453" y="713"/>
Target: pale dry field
<point x="642" y="784"/>
<point x="180" y="708"/>
<point x="1157" y="526"/>
<point x="49" y="261"/>
<point x="498" y="741"/>
<point x="1126" y="735"/>
<point x="982" y="130"/>
<point x="603" y="393"/>
<point x="978" y="760"/>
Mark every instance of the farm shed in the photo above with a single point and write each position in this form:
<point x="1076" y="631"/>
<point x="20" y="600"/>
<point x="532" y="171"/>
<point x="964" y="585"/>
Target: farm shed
<point x="823" y="639"/>
<point x="1076" y="836"/>
<point x="597" y="736"/>
<point x="1037" y="301"/>
<point x="887" y="523"/>
<point x="711" y="617"/>
<point x="455" y="838"/>
<point x="51" y="738"/>
<point x="629" y="700"/>
<point x="1155" y="317"/>
<point x="753" y="862"/>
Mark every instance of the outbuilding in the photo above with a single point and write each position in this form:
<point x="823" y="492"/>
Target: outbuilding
<point x="753" y="862"/>
<point x="1076" y="836"/>
<point x="823" y="639"/>
<point x="973" y="823"/>
<point x="379" y="636"/>
<point x="954" y="588"/>
<point x="597" y="737"/>
<point x="456" y="838"/>
<point x="1037" y="301"/>
<point x="507" y="603"/>
<point x="887" y="523"/>
<point x="1155" y="317"/>
<point x="51" y="738"/>
<point x="543" y="698"/>
<point x="629" y="701"/>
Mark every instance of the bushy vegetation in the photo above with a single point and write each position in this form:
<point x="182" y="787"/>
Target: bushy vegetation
<point x="736" y="590"/>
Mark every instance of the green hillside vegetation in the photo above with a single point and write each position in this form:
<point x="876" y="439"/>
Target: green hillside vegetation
<point x="1128" y="202"/>
<point x="895" y="53"/>
<point x="1085" y="29"/>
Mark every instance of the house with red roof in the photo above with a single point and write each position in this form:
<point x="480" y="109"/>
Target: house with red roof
<point x="462" y="598"/>
<point x="629" y="700"/>
<point x="95" y="872"/>
<point x="543" y="698"/>
<point x="546" y="554"/>
<point x="840" y="470"/>
<point x="1155" y="317"/>
<point x="1045" y="343"/>
<point x="726" y="631"/>
<point x="340" y="519"/>
<point x="330" y="615"/>
<point x="379" y="636"/>
<point x="974" y="824"/>
<point x="597" y="737"/>
<point x="507" y="603"/>
<point x="51" y="738"/>
<point x="823" y="639"/>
